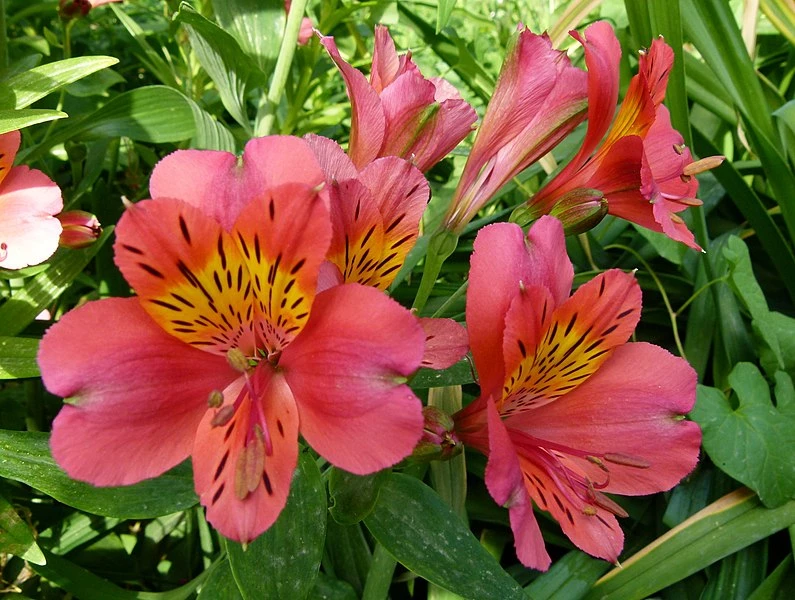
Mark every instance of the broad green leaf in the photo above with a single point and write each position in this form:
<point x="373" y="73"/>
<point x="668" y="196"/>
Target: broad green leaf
<point x="211" y="134"/>
<point x="737" y="575"/>
<point x="23" y="307"/>
<point x="459" y="374"/>
<point x="18" y="357"/>
<point x="669" y="249"/>
<point x="16" y="536"/>
<point x="423" y="533"/>
<point x="284" y="561"/>
<point x="348" y="553"/>
<point x="231" y="69"/>
<point x="353" y="496"/>
<point x="777" y="584"/>
<point x="569" y="578"/>
<point x="747" y="442"/>
<point x="727" y="525"/>
<point x="444" y="9"/>
<point x="25" y="456"/>
<point x="742" y="279"/>
<point x="329" y="588"/>
<point x="23" y="89"/>
<point x="257" y="25"/>
<point x="83" y="584"/>
<point x="75" y="530"/>
<point x="96" y="84"/>
<point x="220" y="584"/>
<point x="11" y="120"/>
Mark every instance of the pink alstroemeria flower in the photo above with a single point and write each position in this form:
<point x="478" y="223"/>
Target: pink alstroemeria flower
<point x="227" y="353"/>
<point x="642" y="169"/>
<point x="539" y="99"/>
<point x="399" y="112"/>
<point x="29" y="200"/>
<point x="375" y="216"/>
<point x="568" y="411"/>
<point x="69" y="9"/>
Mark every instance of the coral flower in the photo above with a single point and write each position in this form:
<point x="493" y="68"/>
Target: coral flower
<point x="399" y="112"/>
<point x="28" y="200"/>
<point x="642" y="169"/>
<point x="568" y="407"/>
<point x="539" y="99"/>
<point x="227" y="353"/>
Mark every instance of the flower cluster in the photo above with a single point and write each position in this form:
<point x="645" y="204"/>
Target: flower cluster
<point x="260" y="315"/>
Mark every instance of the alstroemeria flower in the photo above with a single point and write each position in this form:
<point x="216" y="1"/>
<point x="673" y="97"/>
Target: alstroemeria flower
<point x="567" y="407"/>
<point x="399" y="112"/>
<point x="642" y="168"/>
<point x="227" y="353"/>
<point x="29" y="200"/>
<point x="539" y="99"/>
<point x="69" y="9"/>
<point x="375" y="215"/>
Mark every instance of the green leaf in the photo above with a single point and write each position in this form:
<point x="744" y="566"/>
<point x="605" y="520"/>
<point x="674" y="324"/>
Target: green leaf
<point x="353" y="496"/>
<point x="11" y="120"/>
<point x="18" y="357"/>
<point x="423" y="533"/>
<point x="569" y="578"/>
<point x="348" y="553"/>
<point x="443" y="11"/>
<point x="25" y="456"/>
<point x="257" y="25"/>
<point x="329" y="588"/>
<point x="459" y="374"/>
<point x="23" y="307"/>
<point x="16" y="536"/>
<point x="747" y="442"/>
<point x="775" y="586"/>
<point x="220" y="584"/>
<point x="211" y="134"/>
<point x="23" y="89"/>
<point x="782" y="14"/>
<point x="785" y="117"/>
<point x="738" y="574"/>
<point x="231" y="69"/>
<point x="727" y="525"/>
<point x="284" y="561"/>
<point x="742" y="279"/>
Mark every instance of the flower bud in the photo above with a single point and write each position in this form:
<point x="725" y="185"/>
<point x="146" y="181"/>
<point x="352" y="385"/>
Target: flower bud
<point x="580" y="210"/>
<point x="439" y="440"/>
<point x="80" y="229"/>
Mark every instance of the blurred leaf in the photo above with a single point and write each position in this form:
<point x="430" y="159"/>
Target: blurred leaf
<point x="283" y="562"/>
<point x="257" y="25"/>
<point x="96" y="84"/>
<point x="444" y="9"/>
<point x="231" y="69"/>
<point x="737" y="575"/>
<point x="725" y="526"/>
<point x="569" y="578"/>
<point x="423" y="533"/>
<point x="778" y="584"/>
<point x="16" y="536"/>
<point x="18" y="357"/>
<point x="25" y="456"/>
<point x="785" y="117"/>
<point x="23" y="89"/>
<point x="22" y="308"/>
<point x="757" y="431"/>
<point x="782" y="14"/>
<point x="11" y="120"/>
<point x="353" y="496"/>
<point x="669" y="249"/>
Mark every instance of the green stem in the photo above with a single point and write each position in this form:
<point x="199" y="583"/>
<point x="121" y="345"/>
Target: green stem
<point x="379" y="578"/>
<point x="3" y="37"/>
<point x="698" y="292"/>
<point x="267" y="110"/>
<point x="440" y="247"/>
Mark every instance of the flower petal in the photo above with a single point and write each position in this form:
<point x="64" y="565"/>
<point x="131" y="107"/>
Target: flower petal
<point x="242" y="469"/>
<point x="368" y="123"/>
<point x="28" y="230"/>
<point x="189" y="274"/>
<point x="446" y="342"/>
<point x="135" y="391"/>
<point x="386" y="63"/>
<point x="347" y="374"/>
<point x="9" y="144"/>
<point x="332" y="159"/>
<point x="283" y="238"/>
<point x="639" y="394"/>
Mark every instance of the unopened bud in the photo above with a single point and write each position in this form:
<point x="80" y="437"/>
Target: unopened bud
<point x="580" y="210"/>
<point x="439" y="440"/>
<point x="80" y="229"/>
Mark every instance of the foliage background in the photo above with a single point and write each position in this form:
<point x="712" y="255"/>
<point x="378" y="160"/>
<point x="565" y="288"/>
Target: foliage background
<point x="201" y="75"/>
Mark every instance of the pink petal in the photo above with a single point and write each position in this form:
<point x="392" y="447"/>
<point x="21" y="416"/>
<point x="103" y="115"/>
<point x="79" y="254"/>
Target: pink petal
<point x="333" y="161"/>
<point x="28" y="230"/>
<point x="639" y="394"/>
<point x="347" y="371"/>
<point x="367" y="116"/>
<point x="9" y="144"/>
<point x="216" y="183"/>
<point x="386" y="64"/>
<point x="189" y="274"/>
<point x="504" y="480"/>
<point x="446" y="342"/>
<point x="242" y="479"/>
<point x="135" y="392"/>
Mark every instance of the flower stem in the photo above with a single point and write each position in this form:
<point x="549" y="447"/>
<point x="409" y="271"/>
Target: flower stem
<point x="442" y="244"/>
<point x="267" y="110"/>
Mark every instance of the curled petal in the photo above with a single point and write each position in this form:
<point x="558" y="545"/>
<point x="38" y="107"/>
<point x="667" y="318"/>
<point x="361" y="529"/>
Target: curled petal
<point x="386" y="63"/>
<point x="446" y="342"/>
<point x="348" y="376"/>
<point x="332" y="159"/>
<point x="134" y="391"/>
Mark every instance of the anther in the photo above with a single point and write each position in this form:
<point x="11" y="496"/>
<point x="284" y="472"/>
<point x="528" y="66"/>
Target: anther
<point x="627" y="460"/>
<point x="705" y="164"/>
<point x="223" y="416"/>
<point x="237" y="360"/>
<point x="215" y="399"/>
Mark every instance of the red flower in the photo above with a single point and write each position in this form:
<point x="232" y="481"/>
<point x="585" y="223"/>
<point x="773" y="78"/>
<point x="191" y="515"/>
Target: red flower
<point x="568" y="407"/>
